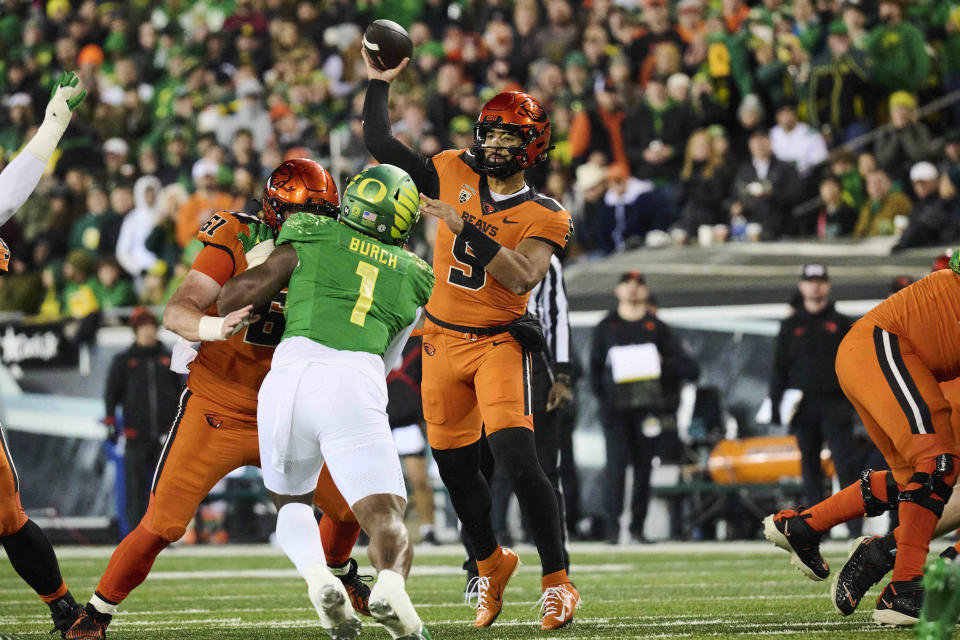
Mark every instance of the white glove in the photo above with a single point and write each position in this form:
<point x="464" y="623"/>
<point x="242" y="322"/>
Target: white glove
<point x="184" y="352"/>
<point x="67" y="95"/>
<point x="259" y="253"/>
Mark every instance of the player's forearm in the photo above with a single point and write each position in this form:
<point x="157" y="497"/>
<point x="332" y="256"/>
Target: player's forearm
<point x="514" y="270"/>
<point x="184" y="319"/>
<point x="245" y="289"/>
<point x="385" y="148"/>
<point x="17" y="182"/>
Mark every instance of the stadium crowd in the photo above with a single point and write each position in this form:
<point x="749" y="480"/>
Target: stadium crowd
<point x="697" y="121"/>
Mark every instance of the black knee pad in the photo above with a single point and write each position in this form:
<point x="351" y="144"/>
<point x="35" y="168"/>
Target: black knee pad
<point x="938" y="482"/>
<point x="872" y="505"/>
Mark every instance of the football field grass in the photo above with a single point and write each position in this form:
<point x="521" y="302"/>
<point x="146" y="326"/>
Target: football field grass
<point x="727" y="590"/>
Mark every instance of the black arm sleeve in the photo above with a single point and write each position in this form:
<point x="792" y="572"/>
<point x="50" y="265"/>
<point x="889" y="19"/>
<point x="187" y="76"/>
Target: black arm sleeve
<point x="386" y="149"/>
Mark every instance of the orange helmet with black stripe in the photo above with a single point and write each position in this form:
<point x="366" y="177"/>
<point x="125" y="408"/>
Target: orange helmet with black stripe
<point x="520" y="114"/>
<point x="299" y="184"/>
<point x="4" y="256"/>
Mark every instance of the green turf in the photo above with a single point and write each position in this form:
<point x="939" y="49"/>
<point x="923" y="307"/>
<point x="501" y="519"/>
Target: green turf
<point x="701" y="591"/>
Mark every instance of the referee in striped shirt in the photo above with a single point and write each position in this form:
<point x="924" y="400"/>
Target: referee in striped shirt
<point x="553" y="390"/>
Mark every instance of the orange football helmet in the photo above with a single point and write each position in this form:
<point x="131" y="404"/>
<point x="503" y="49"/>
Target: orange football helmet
<point x="4" y="256"/>
<point x="520" y="114"/>
<point x="299" y="185"/>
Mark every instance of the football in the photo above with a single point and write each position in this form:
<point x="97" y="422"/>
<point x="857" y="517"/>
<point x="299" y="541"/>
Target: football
<point x="387" y="44"/>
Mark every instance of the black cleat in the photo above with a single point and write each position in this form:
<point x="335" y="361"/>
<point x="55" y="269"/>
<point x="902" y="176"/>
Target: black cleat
<point x="899" y="604"/>
<point x="91" y="625"/>
<point x="66" y="613"/>
<point x="871" y="557"/>
<point x="789" y="530"/>
<point x="353" y="582"/>
<point x="950" y="554"/>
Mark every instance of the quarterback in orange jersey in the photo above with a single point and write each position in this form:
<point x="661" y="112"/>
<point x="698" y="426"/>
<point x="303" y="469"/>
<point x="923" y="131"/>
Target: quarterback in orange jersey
<point x="215" y="430"/>
<point x="493" y="245"/>
<point x="891" y="366"/>
<point x="22" y="539"/>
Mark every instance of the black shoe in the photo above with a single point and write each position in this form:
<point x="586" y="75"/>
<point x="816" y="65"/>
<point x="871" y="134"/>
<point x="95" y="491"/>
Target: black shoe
<point x="950" y="553"/>
<point x="66" y="613"/>
<point x="790" y="531"/>
<point x="871" y="557"/>
<point x="899" y="604"/>
<point x="91" y="625"/>
<point x="353" y="582"/>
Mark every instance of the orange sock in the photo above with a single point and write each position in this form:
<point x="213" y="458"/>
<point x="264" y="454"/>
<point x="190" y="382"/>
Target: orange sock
<point x="846" y="504"/>
<point x="130" y="563"/>
<point x="56" y="595"/>
<point x="913" y="540"/>
<point x="916" y="527"/>
<point x="554" y="579"/>
<point x="486" y="566"/>
<point x="338" y="539"/>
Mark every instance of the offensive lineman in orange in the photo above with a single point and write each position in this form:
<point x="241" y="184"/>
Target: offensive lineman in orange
<point x="890" y="366"/>
<point x="215" y="430"/>
<point x="490" y="251"/>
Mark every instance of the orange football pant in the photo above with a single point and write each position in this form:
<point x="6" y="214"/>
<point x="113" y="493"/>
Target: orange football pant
<point x="907" y="416"/>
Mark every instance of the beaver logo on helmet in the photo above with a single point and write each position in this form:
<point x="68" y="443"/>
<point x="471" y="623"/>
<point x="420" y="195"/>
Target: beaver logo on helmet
<point x="299" y="184"/>
<point x="521" y="115"/>
<point x="533" y="110"/>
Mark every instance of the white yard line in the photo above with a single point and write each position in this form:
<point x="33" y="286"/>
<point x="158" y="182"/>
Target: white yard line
<point x="588" y="548"/>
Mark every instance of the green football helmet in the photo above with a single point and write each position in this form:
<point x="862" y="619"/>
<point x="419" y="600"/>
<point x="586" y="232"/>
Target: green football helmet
<point x="382" y="202"/>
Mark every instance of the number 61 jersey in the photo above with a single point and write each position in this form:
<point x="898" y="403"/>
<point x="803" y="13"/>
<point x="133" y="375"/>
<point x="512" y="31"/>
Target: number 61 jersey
<point x="229" y="372"/>
<point x="349" y="291"/>
<point x="465" y="294"/>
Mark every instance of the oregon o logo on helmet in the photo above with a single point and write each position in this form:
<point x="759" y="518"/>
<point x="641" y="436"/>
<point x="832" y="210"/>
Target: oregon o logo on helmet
<point x="362" y="190"/>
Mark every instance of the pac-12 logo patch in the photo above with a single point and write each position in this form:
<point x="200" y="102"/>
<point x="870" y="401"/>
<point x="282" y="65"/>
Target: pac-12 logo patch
<point x="429" y="348"/>
<point x="466" y="192"/>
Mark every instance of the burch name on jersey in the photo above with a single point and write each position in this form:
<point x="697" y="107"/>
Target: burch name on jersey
<point x="465" y="294"/>
<point x="229" y="372"/>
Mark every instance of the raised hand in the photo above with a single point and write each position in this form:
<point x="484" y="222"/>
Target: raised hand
<point x="65" y="97"/>
<point x="373" y="73"/>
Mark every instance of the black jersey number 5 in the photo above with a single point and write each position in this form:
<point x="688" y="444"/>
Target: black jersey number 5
<point x="477" y="274"/>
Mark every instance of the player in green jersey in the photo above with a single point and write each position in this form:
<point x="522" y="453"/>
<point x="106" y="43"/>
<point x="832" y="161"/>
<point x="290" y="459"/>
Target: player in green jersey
<point x="354" y="296"/>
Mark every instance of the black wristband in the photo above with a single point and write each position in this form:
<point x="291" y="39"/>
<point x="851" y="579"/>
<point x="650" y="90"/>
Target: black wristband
<point x="483" y="246"/>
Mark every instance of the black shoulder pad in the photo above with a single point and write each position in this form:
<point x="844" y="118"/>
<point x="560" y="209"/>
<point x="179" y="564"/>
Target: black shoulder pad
<point x="547" y="202"/>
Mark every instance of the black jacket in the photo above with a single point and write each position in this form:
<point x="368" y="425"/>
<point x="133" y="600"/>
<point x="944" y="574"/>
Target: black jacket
<point x="141" y="382"/>
<point x="931" y="224"/>
<point x="677" y="364"/>
<point x="642" y="126"/>
<point x="839" y="92"/>
<point x="773" y="211"/>
<point x="806" y="354"/>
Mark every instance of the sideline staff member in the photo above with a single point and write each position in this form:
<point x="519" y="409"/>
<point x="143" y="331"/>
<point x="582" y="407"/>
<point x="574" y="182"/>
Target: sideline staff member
<point x="804" y="360"/>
